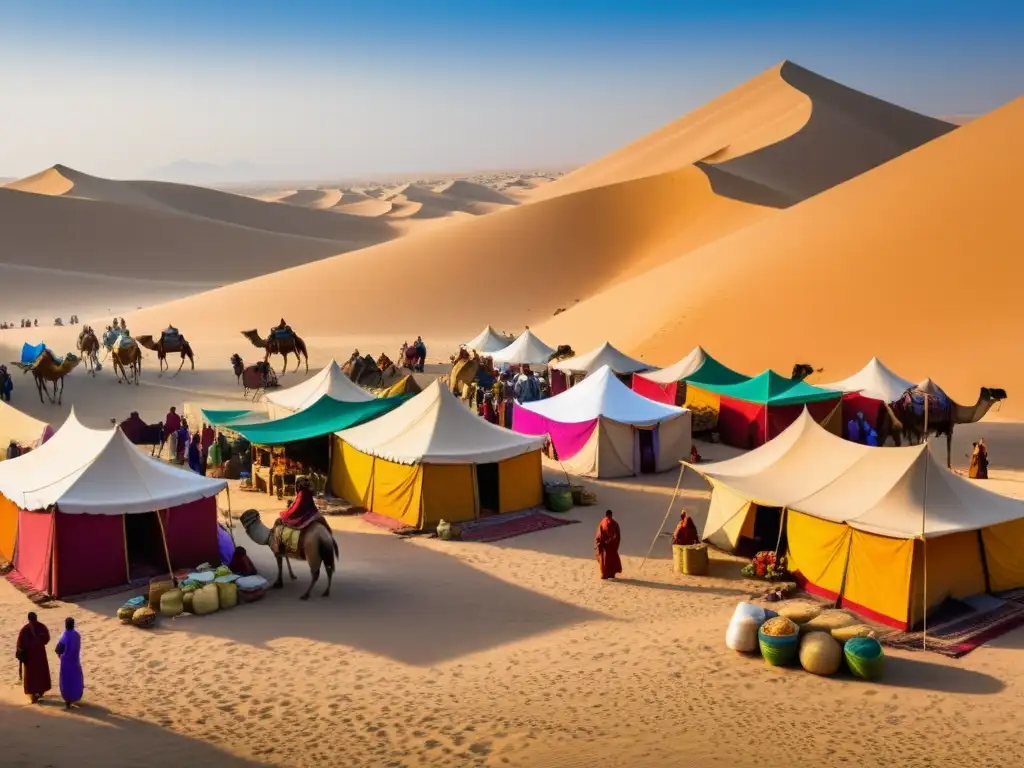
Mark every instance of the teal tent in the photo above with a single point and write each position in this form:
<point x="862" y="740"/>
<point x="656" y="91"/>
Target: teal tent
<point x="769" y="388"/>
<point x="324" y="417"/>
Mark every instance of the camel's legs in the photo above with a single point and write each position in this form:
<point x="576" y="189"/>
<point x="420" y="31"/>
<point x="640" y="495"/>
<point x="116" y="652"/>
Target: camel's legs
<point x="284" y="370"/>
<point x="330" y="576"/>
<point x="314" y="576"/>
<point x="182" y="366"/>
<point x="290" y="571"/>
<point x="39" y="387"/>
<point x="280" y="574"/>
<point x="60" y="397"/>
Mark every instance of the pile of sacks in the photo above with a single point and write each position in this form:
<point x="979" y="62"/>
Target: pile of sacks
<point x="821" y="638"/>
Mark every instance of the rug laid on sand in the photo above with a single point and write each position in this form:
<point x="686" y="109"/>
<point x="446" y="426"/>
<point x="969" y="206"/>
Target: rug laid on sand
<point x="510" y="524"/>
<point x="387" y="523"/>
<point x="962" y="626"/>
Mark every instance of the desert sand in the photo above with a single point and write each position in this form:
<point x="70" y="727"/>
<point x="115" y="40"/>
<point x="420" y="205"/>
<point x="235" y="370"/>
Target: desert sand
<point x="792" y="219"/>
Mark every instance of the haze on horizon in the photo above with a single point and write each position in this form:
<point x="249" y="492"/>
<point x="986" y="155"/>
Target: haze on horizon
<point x="317" y="90"/>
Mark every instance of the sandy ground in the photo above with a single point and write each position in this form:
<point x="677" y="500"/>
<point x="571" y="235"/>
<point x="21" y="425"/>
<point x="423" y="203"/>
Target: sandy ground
<point x="513" y="653"/>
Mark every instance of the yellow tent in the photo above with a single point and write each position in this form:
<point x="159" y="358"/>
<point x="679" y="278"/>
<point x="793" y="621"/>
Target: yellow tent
<point x="884" y="531"/>
<point x="432" y="459"/>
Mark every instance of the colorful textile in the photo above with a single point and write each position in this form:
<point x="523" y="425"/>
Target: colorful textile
<point x="325" y="416"/>
<point x="568" y="439"/>
<point x="302" y="511"/>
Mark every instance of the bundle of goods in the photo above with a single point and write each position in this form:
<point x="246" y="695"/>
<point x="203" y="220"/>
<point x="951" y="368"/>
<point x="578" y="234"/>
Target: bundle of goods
<point x="227" y="590"/>
<point x="447" y="532"/>
<point x="690" y="559"/>
<point x="746" y="621"/>
<point x="206" y="600"/>
<point x="127" y="611"/>
<point x="767" y="566"/>
<point x="172" y="602"/>
<point x="156" y="588"/>
<point x="828" y="620"/>
<point x="820" y="654"/>
<point x="864" y="657"/>
<point x="843" y="634"/>
<point x="588" y="499"/>
<point x="798" y="611"/>
<point x="144" y="617"/>
<point x="779" y="639"/>
<point x="251" y="588"/>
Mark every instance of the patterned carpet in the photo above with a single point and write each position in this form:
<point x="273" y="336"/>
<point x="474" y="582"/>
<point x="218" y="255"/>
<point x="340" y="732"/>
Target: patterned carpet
<point x="964" y="625"/>
<point x="498" y="527"/>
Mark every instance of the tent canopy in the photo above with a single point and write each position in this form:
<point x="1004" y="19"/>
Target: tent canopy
<point x="330" y="382"/>
<point x="874" y="380"/>
<point x="697" y="368"/>
<point x="19" y="427"/>
<point x="526" y="350"/>
<point x="232" y="419"/>
<point x="98" y="472"/>
<point x="488" y="341"/>
<point x="896" y="492"/>
<point x="602" y="395"/>
<point x="325" y="416"/>
<point x="604" y="355"/>
<point x="769" y="388"/>
<point x="433" y="427"/>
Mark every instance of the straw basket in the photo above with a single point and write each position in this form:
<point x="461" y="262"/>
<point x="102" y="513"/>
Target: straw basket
<point x="157" y="587"/>
<point x="577" y="494"/>
<point x="779" y="650"/>
<point x="864" y="657"/>
<point x="206" y="600"/>
<point x="691" y="559"/>
<point x="171" y="603"/>
<point x="144" y="618"/>
<point x="227" y="593"/>
<point x="558" y="499"/>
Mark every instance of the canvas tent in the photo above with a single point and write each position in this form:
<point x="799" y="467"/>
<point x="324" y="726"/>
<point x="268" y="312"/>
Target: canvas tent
<point x="868" y="390"/>
<point x="680" y="383"/>
<point x="329" y="382"/>
<point x="323" y="417"/>
<point x="432" y="459"/>
<point x="859" y="522"/>
<point x="21" y="428"/>
<point x="754" y="411"/>
<point x="565" y="372"/>
<point x="88" y="510"/>
<point x="488" y="341"/>
<point x="602" y="428"/>
<point x="526" y="350"/>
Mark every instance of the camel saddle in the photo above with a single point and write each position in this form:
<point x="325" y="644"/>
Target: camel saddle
<point x="171" y="338"/>
<point x="913" y="400"/>
<point x="280" y="334"/>
<point x="287" y="541"/>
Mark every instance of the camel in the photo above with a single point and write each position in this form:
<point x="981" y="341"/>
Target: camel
<point x="316" y="545"/>
<point x="127" y="357"/>
<point x="238" y="366"/>
<point x="282" y="345"/>
<point x="943" y="415"/>
<point x="802" y="370"/>
<point x="89" y="347"/>
<point x="46" y="368"/>
<point x="169" y="344"/>
<point x="255" y="378"/>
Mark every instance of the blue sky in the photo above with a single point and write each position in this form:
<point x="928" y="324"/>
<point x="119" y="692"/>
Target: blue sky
<point x="319" y="89"/>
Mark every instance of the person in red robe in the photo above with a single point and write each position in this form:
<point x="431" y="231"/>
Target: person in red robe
<point x="303" y="509"/>
<point x="686" y="532"/>
<point x="31" y="653"/>
<point x="487" y="409"/>
<point x="606" y="547"/>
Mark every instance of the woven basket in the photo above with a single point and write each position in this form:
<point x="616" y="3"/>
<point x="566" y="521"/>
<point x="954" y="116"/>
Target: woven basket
<point x="694" y="560"/>
<point x="820" y="654"/>
<point x="864" y="657"/>
<point x="577" y="494"/>
<point x="125" y="613"/>
<point x="157" y="587"/>
<point x="558" y="499"/>
<point x="779" y="651"/>
<point x="172" y="603"/>
<point x="206" y="600"/>
<point x="144" y="618"/>
<point x="227" y="593"/>
<point x="588" y="499"/>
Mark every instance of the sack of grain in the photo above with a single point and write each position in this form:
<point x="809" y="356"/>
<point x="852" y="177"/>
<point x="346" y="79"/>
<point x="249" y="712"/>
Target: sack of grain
<point x="144" y="617"/>
<point x="799" y="611"/>
<point x="742" y="632"/>
<point x="171" y="603"/>
<point x="227" y="591"/>
<point x="828" y="620"/>
<point x="125" y="613"/>
<point x="186" y="601"/>
<point x="820" y="654"/>
<point x="864" y="657"/>
<point x="206" y="600"/>
<point x="842" y="634"/>
<point x="156" y="589"/>
<point x="779" y="640"/>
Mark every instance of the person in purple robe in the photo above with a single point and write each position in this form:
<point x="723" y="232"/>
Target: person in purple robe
<point x="69" y="649"/>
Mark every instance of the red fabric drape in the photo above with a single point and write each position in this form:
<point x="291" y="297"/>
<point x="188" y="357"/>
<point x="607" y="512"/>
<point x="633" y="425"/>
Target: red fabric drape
<point x="856" y="403"/>
<point x="741" y="424"/>
<point x="35" y="545"/>
<point x="659" y="393"/>
<point x="559" y="382"/>
<point x="89" y="553"/>
<point x="191" y="533"/>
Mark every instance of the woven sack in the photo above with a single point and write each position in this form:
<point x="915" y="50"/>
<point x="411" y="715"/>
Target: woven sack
<point x="227" y="592"/>
<point x="842" y="634"/>
<point x="798" y="611"/>
<point x="779" y="650"/>
<point x="156" y="589"/>
<point x="828" y="620"/>
<point x="695" y="560"/>
<point x="144" y="617"/>
<point x="205" y="600"/>
<point x="864" y="657"/>
<point x="171" y="603"/>
<point x="820" y="654"/>
<point x="125" y="613"/>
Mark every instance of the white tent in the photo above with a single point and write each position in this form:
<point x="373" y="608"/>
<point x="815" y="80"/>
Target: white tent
<point x="488" y="341"/>
<point x="852" y="514"/>
<point x="602" y="428"/>
<point x="98" y="472"/>
<point x="678" y="371"/>
<point x="874" y="380"/>
<point x="433" y="427"/>
<point x="604" y="355"/>
<point x="526" y="350"/>
<point x="19" y="427"/>
<point x="331" y="381"/>
<point x="432" y="459"/>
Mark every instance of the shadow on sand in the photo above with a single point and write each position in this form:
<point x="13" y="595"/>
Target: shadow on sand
<point x="389" y="597"/>
<point x="901" y="672"/>
<point x="45" y="734"/>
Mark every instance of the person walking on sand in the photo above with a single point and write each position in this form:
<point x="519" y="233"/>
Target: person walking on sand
<point x="69" y="648"/>
<point x="31" y="653"/>
<point x="979" y="461"/>
<point x="606" y="547"/>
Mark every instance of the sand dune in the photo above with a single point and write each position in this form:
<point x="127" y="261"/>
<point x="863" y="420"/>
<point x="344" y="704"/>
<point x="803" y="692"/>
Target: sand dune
<point x="788" y="129"/>
<point x="915" y="261"/>
<point x="636" y="210"/>
<point x="471" y="192"/>
<point x="318" y="199"/>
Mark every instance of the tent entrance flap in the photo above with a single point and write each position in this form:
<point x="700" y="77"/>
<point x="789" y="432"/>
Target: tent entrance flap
<point x="648" y="451"/>
<point x="762" y="530"/>
<point x="488" y="489"/>
<point x="145" y="545"/>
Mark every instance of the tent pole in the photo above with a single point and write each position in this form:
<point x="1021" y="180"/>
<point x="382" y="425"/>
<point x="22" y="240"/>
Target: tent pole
<point x="124" y="538"/>
<point x="163" y="536"/>
<point x="924" y="541"/>
<point x="679" y="482"/>
<point x="231" y="521"/>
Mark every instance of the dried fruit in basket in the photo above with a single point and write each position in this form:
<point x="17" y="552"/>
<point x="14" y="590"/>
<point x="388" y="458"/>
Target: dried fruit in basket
<point x="779" y="626"/>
